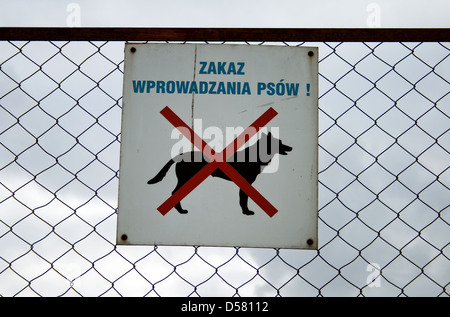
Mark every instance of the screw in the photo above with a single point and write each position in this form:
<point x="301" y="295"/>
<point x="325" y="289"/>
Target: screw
<point x="133" y="49"/>
<point x="124" y="237"/>
<point x="310" y="53"/>
<point x="310" y="241"/>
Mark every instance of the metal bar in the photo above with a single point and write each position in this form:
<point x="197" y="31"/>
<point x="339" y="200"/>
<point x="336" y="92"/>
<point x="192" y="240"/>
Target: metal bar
<point x="224" y="34"/>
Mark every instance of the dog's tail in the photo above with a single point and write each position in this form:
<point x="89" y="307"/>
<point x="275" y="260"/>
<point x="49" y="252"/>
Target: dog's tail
<point x="161" y="173"/>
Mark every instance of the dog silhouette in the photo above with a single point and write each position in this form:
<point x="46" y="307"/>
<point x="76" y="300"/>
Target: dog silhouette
<point x="248" y="162"/>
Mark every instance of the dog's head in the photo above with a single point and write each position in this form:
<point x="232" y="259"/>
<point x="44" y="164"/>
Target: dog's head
<point x="276" y="145"/>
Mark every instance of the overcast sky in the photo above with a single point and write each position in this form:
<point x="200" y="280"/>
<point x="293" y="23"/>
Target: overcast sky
<point x="229" y="13"/>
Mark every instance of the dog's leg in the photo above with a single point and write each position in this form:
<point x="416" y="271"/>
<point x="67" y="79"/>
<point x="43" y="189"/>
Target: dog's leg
<point x="183" y="175"/>
<point x="243" y="201"/>
<point x="178" y="205"/>
<point x="180" y="209"/>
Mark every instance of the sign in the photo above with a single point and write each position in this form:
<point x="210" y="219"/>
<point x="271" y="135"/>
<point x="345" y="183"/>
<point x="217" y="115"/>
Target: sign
<point x="219" y="146"/>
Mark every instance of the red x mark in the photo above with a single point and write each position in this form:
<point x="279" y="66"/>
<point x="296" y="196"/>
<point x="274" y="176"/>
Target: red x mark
<point x="209" y="168"/>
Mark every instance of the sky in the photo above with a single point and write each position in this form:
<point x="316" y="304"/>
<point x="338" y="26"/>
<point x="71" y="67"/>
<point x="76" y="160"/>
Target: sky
<point x="335" y="213"/>
<point x="229" y="13"/>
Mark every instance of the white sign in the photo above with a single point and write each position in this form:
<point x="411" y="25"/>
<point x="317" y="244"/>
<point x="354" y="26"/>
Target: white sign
<point x="219" y="146"/>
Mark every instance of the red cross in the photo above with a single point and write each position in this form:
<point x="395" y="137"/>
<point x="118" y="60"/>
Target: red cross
<point x="214" y="164"/>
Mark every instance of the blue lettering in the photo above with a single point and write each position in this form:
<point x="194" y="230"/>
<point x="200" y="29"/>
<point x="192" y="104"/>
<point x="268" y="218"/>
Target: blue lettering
<point x="193" y="88"/>
<point x="221" y="88"/>
<point x="231" y="69"/>
<point x="211" y="89"/>
<point x="271" y="89"/>
<point x="292" y="89"/>
<point x="170" y="87"/>
<point x="202" y="69"/>
<point x="260" y="87"/>
<point x="138" y="86"/>
<point x="281" y="88"/>
<point x="212" y="68"/>
<point x="160" y="88"/>
<point x="182" y="87"/>
<point x="246" y="89"/>
<point x="231" y="88"/>
<point x="221" y="68"/>
<point x="150" y="85"/>
<point x="241" y="67"/>
<point x="203" y="87"/>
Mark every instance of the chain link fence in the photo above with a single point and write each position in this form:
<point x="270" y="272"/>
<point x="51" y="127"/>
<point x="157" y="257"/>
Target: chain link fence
<point x="384" y="181"/>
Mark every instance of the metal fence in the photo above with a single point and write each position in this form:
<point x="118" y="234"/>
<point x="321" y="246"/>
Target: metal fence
<point x="384" y="216"/>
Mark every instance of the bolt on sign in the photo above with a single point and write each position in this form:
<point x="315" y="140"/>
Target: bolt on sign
<point x="219" y="146"/>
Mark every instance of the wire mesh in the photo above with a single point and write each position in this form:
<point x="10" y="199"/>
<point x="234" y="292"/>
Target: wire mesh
<point x="383" y="181"/>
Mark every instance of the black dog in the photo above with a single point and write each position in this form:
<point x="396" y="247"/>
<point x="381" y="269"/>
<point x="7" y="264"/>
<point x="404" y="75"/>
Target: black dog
<point x="249" y="163"/>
